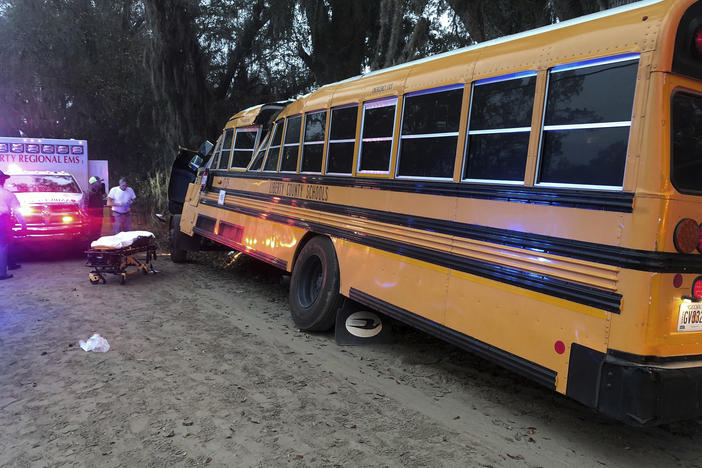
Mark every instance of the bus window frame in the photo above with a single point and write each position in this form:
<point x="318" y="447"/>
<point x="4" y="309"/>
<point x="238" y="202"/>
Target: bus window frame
<point x="283" y="145"/>
<point x="280" y="123"/>
<point x="222" y="149"/>
<point x="264" y="148"/>
<point x="359" y="155"/>
<point x="353" y="140"/>
<point x="457" y="134"/>
<point x="322" y="142"/>
<point x="215" y="154"/>
<point x="633" y="56"/>
<point x="466" y="145"/>
<point x="247" y="129"/>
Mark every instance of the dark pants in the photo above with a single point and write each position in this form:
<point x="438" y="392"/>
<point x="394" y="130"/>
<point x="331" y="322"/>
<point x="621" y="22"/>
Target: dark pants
<point x="94" y="229"/>
<point x="5" y="239"/>
<point x="121" y="222"/>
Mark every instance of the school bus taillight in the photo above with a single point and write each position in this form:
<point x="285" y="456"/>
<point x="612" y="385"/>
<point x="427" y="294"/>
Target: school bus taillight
<point x="697" y="288"/>
<point x="686" y="237"/>
<point x="697" y="40"/>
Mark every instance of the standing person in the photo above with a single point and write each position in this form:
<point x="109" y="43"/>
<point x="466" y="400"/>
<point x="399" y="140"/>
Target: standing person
<point x="9" y="206"/>
<point x="120" y="199"/>
<point x="95" y="202"/>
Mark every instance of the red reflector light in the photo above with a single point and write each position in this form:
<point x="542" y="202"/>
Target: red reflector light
<point x="697" y="288"/>
<point x="559" y="347"/>
<point x="697" y="40"/>
<point x="677" y="280"/>
<point x="686" y="237"/>
<point x="67" y="219"/>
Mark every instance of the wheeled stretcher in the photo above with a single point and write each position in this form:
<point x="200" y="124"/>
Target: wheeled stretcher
<point x="116" y="254"/>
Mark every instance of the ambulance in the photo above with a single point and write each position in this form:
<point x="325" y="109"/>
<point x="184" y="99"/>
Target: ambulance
<point x="50" y="178"/>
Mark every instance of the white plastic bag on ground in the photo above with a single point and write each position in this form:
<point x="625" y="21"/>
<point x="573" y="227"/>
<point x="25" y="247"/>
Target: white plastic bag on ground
<point x="95" y="343"/>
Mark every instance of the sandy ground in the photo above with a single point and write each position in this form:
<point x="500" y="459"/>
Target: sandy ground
<point x="206" y="368"/>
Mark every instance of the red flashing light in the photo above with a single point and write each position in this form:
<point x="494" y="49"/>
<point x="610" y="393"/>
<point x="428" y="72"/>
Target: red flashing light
<point x="697" y="288"/>
<point x="697" y="41"/>
<point x="203" y="181"/>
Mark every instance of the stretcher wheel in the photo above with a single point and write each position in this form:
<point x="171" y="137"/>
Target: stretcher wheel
<point x="95" y="278"/>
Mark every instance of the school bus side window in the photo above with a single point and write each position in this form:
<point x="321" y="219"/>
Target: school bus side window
<point x="214" y="160"/>
<point x="226" y="149"/>
<point x="429" y="136"/>
<point x="587" y="121"/>
<point x="292" y="144"/>
<point x="273" y="152"/>
<point x="313" y="143"/>
<point x="376" y="137"/>
<point x="244" y="146"/>
<point x="258" y="160"/>
<point x="342" y="138"/>
<point x="499" y="128"/>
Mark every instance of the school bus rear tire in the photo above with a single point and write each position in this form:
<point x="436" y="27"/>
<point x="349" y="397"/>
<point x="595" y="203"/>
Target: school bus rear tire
<point x="314" y="286"/>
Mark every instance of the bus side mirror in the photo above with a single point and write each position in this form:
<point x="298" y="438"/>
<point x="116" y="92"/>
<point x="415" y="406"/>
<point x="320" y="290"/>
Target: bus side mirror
<point x="205" y="148"/>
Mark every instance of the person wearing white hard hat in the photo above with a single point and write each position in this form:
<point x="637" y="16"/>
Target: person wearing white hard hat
<point x="9" y="207"/>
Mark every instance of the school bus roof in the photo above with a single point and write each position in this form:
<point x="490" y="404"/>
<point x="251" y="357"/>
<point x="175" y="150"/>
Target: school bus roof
<point x="634" y="28"/>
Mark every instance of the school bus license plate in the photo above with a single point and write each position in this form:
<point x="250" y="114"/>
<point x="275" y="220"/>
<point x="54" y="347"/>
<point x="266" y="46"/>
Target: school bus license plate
<point x="690" y="317"/>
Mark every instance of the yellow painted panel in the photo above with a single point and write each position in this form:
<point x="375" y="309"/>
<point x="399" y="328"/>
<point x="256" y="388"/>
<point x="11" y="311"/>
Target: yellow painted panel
<point x="523" y="322"/>
<point x="412" y="285"/>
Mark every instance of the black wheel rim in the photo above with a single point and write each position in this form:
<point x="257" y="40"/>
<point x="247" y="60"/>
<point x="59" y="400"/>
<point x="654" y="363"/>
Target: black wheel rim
<point x="311" y="278"/>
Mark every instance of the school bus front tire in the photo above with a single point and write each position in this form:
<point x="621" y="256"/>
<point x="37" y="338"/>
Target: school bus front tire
<point x="178" y="255"/>
<point x="314" y="286"/>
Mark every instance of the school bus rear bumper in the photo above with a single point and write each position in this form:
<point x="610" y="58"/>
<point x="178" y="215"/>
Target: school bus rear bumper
<point x="638" y="390"/>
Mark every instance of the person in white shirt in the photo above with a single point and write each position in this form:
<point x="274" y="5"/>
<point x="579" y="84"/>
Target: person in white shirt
<point x="9" y="207"/>
<point x="120" y="199"/>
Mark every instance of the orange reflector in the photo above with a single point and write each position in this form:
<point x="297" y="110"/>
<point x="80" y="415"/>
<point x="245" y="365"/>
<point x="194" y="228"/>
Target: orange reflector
<point x="686" y="237"/>
<point x="67" y="219"/>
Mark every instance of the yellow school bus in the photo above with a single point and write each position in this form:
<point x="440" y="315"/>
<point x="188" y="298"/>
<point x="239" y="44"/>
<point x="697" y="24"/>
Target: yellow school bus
<point x="533" y="199"/>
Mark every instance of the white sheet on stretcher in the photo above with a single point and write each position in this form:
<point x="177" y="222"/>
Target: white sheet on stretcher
<point x="119" y="241"/>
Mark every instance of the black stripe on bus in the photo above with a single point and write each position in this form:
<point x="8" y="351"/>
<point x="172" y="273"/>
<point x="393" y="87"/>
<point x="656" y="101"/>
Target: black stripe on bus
<point x="275" y="261"/>
<point x="652" y="360"/>
<point x="524" y="367"/>
<point x="632" y="259"/>
<point x="586" y="295"/>
<point x="587" y="199"/>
